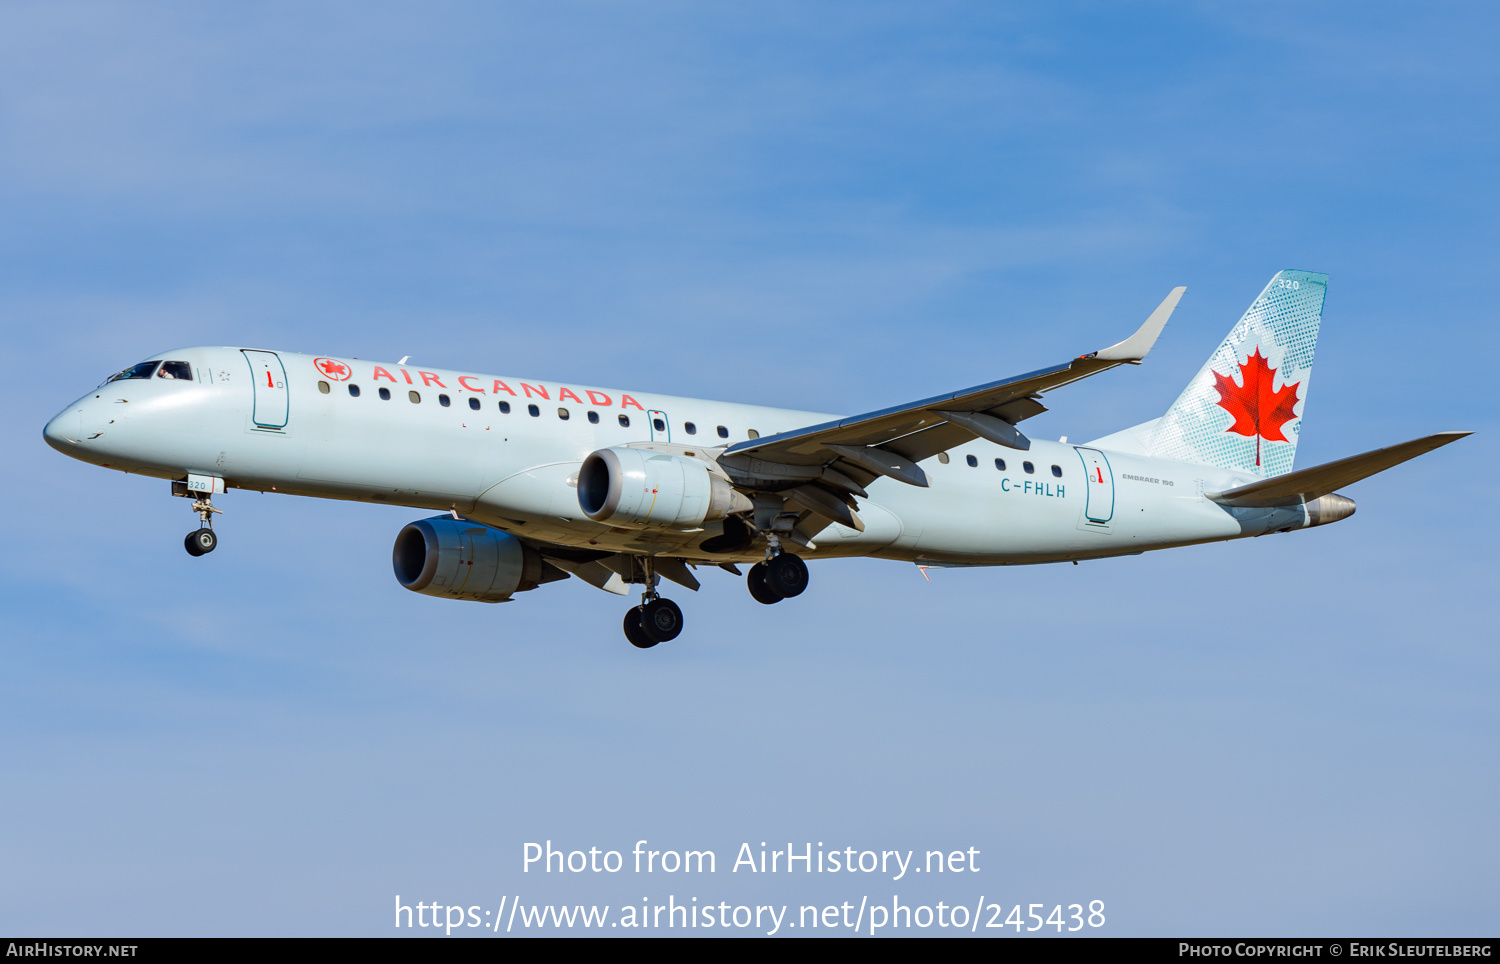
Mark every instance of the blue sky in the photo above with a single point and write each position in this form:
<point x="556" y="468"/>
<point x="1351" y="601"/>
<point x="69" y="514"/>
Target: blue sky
<point x="836" y="207"/>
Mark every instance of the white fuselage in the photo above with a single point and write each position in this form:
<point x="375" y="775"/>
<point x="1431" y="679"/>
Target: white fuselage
<point x="518" y="471"/>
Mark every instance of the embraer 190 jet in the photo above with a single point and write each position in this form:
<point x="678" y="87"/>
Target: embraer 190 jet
<point x="538" y="480"/>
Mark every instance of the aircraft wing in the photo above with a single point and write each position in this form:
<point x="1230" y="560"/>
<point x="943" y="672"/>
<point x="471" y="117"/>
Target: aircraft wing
<point x="1306" y="485"/>
<point x="891" y="441"/>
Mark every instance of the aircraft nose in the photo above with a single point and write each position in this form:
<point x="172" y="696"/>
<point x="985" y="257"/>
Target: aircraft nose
<point x="64" y="431"/>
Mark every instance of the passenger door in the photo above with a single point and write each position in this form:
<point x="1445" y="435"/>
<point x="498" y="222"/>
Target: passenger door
<point x="268" y="376"/>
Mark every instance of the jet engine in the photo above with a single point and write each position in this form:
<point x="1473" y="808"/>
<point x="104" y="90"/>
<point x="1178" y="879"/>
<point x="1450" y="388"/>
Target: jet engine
<point x="645" y="489"/>
<point x="445" y="557"/>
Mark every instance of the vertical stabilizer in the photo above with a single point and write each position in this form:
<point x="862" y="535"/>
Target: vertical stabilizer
<point x="1243" y="410"/>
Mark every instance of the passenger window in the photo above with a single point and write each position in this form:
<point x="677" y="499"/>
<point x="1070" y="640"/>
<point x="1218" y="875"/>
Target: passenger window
<point x="176" y="369"/>
<point x="723" y="432"/>
<point x="533" y="411"/>
<point x="753" y="433"/>
<point x="1028" y="468"/>
<point x="562" y="413"/>
<point x="323" y="387"/>
<point x="444" y="401"/>
<point x="1000" y="464"/>
<point x="143" y="370"/>
<point x="973" y="462"/>
<point x="593" y="418"/>
<point x="474" y="403"/>
<point x="415" y="398"/>
<point x="624" y="421"/>
<point x="505" y="408"/>
<point x="690" y="428"/>
<point x="385" y="394"/>
<point x="353" y="391"/>
<point x="943" y="457"/>
<point x="659" y="425"/>
<point x="1057" y="471"/>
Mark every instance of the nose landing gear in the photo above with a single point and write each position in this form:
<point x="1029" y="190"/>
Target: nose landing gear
<point x="202" y="540"/>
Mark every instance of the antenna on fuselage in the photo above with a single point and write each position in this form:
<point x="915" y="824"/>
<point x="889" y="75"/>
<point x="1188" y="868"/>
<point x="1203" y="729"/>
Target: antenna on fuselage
<point x="403" y="359"/>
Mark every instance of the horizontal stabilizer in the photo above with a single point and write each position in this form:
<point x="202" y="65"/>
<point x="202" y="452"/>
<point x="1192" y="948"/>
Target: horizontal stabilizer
<point x="1309" y="484"/>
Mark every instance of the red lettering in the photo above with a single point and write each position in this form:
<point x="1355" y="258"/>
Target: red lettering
<point x="406" y="375"/>
<point x="501" y="387"/>
<point x="627" y="400"/>
<point x="566" y="394"/>
<point x="462" y="380"/>
<point x="528" y="389"/>
<point x="428" y="378"/>
<point x="381" y="372"/>
<point x="595" y="396"/>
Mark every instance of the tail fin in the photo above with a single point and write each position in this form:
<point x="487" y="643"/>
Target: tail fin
<point x="1243" y="410"/>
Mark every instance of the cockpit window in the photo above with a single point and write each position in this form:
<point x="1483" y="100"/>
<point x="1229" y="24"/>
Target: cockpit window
<point x="176" y="369"/>
<point x="143" y="370"/>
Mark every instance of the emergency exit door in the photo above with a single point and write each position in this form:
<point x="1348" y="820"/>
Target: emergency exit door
<point x="661" y="429"/>
<point x="268" y="376"/>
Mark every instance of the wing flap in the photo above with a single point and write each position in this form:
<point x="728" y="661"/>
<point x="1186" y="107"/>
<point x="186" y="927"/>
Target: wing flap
<point x="594" y="574"/>
<point x="929" y="442"/>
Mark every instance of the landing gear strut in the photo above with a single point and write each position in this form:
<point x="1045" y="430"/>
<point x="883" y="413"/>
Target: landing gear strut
<point x="202" y="540"/>
<point x="655" y="620"/>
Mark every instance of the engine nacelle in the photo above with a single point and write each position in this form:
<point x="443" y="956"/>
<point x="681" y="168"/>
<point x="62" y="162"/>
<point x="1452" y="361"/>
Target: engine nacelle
<point x="444" y="557"/>
<point x="645" y="489"/>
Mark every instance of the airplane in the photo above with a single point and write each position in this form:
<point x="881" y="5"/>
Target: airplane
<point x="539" y="480"/>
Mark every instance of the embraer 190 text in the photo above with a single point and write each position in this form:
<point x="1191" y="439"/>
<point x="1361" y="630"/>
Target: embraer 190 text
<point x="540" y="480"/>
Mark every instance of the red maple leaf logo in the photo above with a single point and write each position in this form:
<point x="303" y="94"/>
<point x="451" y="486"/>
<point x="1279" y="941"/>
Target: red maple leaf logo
<point x="336" y="370"/>
<point x="1259" y="411"/>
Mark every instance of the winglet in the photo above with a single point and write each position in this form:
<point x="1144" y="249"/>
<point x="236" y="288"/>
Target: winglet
<point x="1134" y="348"/>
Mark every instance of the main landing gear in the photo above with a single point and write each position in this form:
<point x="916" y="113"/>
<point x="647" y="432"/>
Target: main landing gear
<point x="782" y="576"/>
<point x="655" y="620"/>
<point x="202" y="540"/>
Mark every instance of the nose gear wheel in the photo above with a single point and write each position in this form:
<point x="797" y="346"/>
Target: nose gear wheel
<point x="200" y="542"/>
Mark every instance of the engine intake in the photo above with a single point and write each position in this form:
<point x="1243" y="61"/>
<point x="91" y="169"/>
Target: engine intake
<point x="465" y="560"/>
<point x="645" y="489"/>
